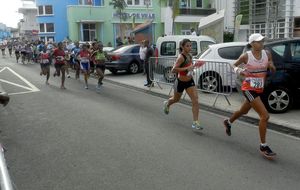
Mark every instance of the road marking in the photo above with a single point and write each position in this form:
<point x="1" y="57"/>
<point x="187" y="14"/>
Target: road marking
<point x="30" y="89"/>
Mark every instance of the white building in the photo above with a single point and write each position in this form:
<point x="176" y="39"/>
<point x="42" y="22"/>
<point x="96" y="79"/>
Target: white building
<point x="272" y="18"/>
<point x="28" y="27"/>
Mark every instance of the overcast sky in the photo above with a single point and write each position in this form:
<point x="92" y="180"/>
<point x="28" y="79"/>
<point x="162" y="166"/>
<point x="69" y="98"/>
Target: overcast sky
<point x="9" y="12"/>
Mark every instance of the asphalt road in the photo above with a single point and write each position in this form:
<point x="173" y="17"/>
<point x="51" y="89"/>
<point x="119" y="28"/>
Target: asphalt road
<point x="118" y="138"/>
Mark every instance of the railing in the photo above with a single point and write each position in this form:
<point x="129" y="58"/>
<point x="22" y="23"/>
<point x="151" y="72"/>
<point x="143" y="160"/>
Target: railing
<point x="211" y="77"/>
<point x="4" y="175"/>
<point x="202" y="12"/>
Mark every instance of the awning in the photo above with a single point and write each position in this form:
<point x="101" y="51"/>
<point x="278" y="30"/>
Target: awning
<point x="211" y="19"/>
<point x="142" y="26"/>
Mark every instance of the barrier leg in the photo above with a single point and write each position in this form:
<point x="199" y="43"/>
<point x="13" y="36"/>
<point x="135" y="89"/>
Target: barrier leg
<point x="217" y="98"/>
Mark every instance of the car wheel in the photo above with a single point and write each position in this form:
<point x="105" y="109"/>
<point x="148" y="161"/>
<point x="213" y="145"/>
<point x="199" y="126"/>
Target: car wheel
<point x="113" y="71"/>
<point x="278" y="100"/>
<point x="210" y="82"/>
<point x="133" y="68"/>
<point x="168" y="75"/>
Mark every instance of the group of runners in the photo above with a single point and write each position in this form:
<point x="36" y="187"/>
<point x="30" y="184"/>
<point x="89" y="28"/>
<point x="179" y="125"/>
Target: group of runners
<point x="86" y="58"/>
<point x="257" y="62"/>
<point x="82" y="58"/>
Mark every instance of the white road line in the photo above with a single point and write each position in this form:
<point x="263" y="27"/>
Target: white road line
<point x="2" y="69"/>
<point x="34" y="88"/>
<point x="31" y="88"/>
<point x="18" y="85"/>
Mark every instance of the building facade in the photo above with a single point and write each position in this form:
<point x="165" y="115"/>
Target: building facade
<point x="86" y="20"/>
<point x="28" y="27"/>
<point x="5" y="32"/>
<point x="272" y="18"/>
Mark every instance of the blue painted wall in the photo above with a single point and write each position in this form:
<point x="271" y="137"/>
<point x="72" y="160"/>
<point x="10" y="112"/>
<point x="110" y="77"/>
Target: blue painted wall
<point x="59" y="17"/>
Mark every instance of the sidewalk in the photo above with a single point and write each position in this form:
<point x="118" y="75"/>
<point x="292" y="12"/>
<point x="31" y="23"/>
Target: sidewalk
<point x="287" y="122"/>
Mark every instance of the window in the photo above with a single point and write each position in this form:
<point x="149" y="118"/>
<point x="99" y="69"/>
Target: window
<point x="186" y="29"/>
<point x="47" y="38"/>
<point x="48" y="10"/>
<point x="185" y="32"/>
<point x="45" y="10"/>
<point x="295" y="51"/>
<point x="139" y="2"/>
<point x="42" y="27"/>
<point x="89" y="32"/>
<point x="185" y="3"/>
<point x="49" y="27"/>
<point x="85" y="2"/>
<point x="199" y="3"/>
<point x="168" y="48"/>
<point x="46" y="27"/>
<point x="194" y="48"/>
<point x="41" y="10"/>
<point x="135" y="49"/>
<point x="232" y="53"/>
<point x="204" y="45"/>
<point x="279" y="49"/>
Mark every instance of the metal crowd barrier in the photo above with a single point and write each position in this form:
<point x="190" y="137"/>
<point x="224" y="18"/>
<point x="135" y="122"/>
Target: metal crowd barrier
<point x="212" y="77"/>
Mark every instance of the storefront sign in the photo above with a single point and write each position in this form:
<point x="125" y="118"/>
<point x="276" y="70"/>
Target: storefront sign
<point x="135" y="15"/>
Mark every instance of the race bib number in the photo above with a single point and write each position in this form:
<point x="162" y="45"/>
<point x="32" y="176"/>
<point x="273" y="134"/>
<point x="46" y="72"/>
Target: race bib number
<point x="60" y="58"/>
<point x="45" y="61"/>
<point x="256" y="82"/>
<point x="84" y="60"/>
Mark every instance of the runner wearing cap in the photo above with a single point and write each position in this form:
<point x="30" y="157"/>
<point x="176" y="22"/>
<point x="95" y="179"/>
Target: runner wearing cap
<point x="257" y="61"/>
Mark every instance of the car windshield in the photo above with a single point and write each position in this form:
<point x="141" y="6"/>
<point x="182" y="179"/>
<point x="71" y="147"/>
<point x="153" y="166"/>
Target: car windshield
<point x="203" y="53"/>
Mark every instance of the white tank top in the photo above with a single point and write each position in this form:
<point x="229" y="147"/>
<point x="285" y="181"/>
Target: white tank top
<point x="258" y="69"/>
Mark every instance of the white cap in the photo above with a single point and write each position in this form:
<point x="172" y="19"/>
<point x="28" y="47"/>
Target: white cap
<point x="255" y="38"/>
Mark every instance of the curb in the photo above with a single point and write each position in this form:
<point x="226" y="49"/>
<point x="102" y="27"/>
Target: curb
<point x="271" y="126"/>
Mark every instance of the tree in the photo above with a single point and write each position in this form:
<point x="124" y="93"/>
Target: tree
<point x="175" y="11"/>
<point x="120" y="6"/>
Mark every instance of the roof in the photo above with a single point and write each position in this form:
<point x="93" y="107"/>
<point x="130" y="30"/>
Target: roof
<point x="211" y="19"/>
<point x="229" y="44"/>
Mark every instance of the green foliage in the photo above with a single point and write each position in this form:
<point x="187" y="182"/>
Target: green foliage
<point x="119" y="5"/>
<point x="228" y="37"/>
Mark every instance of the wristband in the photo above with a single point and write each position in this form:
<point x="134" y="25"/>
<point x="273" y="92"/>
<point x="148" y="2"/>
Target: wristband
<point x="237" y="70"/>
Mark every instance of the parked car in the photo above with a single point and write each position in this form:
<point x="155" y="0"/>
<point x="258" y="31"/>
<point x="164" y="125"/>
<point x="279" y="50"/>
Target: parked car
<point x="107" y="49"/>
<point x="282" y="89"/>
<point x="214" y="76"/>
<point x="125" y="58"/>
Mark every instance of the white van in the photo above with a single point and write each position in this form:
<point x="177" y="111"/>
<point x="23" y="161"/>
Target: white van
<point x="167" y="49"/>
<point x="168" y="46"/>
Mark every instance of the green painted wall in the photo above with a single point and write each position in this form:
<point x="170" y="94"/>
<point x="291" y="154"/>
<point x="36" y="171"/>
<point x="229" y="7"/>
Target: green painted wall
<point x="104" y="15"/>
<point x="106" y="29"/>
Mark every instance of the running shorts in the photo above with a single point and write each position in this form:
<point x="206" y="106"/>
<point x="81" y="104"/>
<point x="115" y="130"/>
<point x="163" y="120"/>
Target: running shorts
<point x="85" y="66"/>
<point x="250" y="95"/>
<point x="180" y="86"/>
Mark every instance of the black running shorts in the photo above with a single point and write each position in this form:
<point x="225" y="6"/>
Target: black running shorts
<point x="180" y="86"/>
<point x="251" y="95"/>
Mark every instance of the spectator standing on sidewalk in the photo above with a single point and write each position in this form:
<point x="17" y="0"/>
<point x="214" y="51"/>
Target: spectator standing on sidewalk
<point x="183" y="67"/>
<point x="193" y="32"/>
<point x="149" y="53"/>
<point x="256" y="61"/>
<point x="142" y="54"/>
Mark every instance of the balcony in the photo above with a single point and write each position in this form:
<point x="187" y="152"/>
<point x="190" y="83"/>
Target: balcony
<point x="196" y="12"/>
